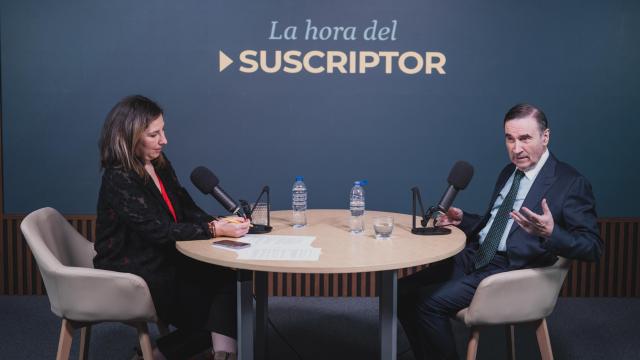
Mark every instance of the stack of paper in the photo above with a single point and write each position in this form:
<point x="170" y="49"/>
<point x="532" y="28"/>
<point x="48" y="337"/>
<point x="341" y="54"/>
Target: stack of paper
<point x="279" y="247"/>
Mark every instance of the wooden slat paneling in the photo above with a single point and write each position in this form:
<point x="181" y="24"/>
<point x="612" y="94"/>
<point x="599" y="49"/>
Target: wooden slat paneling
<point x="636" y="258"/>
<point x="629" y="260"/>
<point x="610" y="256"/>
<point x="307" y="285"/>
<point x="335" y="281"/>
<point x="618" y="271"/>
<point x="602" y="264"/>
<point x="20" y="274"/>
<point x="616" y="274"/>
<point x="619" y="257"/>
<point x="325" y="284"/>
<point x="288" y="287"/>
<point x="30" y="272"/>
<point x="19" y="260"/>
<point x="3" y="252"/>
<point x="10" y="258"/>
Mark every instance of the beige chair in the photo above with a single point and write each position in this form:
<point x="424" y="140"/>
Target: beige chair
<point x="512" y="297"/>
<point x="79" y="294"/>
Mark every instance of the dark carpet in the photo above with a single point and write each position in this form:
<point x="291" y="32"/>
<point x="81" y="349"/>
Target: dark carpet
<point x="345" y="328"/>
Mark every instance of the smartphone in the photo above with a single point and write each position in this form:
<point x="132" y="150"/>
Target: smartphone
<point x="231" y="244"/>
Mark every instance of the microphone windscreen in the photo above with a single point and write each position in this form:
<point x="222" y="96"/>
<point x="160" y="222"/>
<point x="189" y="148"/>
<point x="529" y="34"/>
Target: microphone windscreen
<point x="460" y="175"/>
<point x="204" y="179"/>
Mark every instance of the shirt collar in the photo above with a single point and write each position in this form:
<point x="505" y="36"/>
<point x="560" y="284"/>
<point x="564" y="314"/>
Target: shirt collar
<point x="532" y="173"/>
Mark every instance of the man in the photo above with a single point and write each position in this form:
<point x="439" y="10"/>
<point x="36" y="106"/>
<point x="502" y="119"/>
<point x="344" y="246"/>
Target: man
<point x="541" y="208"/>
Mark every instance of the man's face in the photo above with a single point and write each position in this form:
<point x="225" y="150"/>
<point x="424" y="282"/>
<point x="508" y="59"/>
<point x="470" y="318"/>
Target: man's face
<point x="525" y="142"/>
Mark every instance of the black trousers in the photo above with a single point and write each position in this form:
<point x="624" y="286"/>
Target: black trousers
<point x="204" y="300"/>
<point x="427" y="300"/>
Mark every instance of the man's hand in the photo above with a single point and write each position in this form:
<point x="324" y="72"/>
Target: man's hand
<point x="540" y="225"/>
<point x="232" y="226"/>
<point x="452" y="217"/>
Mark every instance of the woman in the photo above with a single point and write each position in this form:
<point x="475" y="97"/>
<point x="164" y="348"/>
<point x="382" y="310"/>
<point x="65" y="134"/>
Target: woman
<point x="142" y="211"/>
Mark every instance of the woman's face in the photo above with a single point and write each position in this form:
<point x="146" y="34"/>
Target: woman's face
<point x="152" y="140"/>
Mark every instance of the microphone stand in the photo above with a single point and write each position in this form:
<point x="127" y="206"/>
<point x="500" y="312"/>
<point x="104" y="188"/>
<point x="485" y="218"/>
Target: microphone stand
<point x="260" y="228"/>
<point x="424" y="230"/>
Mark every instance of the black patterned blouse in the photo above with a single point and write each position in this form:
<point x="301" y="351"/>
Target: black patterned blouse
<point x="135" y="231"/>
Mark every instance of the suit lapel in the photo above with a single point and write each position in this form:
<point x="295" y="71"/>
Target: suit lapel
<point x="546" y="177"/>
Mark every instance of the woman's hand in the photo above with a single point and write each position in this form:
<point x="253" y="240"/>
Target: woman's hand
<point x="232" y="226"/>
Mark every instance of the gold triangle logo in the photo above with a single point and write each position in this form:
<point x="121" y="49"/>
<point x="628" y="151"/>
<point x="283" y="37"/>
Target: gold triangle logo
<point x="224" y="61"/>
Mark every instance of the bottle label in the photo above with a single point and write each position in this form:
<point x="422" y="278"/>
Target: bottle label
<point x="299" y="200"/>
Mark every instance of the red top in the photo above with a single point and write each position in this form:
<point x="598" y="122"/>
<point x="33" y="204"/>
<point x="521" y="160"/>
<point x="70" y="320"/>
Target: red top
<point x="167" y="200"/>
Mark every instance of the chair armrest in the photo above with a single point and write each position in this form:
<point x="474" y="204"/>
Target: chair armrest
<point x="85" y="294"/>
<point x="516" y="296"/>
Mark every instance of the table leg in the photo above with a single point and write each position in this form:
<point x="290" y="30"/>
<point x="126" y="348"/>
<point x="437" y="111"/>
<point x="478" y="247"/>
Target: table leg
<point x="388" y="319"/>
<point x="245" y="315"/>
<point x="262" y="304"/>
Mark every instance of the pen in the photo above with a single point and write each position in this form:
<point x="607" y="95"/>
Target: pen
<point x="233" y="220"/>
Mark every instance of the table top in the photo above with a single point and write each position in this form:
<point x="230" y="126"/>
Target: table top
<point x="342" y="252"/>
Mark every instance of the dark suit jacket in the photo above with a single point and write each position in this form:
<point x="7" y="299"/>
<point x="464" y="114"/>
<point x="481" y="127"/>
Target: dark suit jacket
<point x="136" y="233"/>
<point x="570" y="199"/>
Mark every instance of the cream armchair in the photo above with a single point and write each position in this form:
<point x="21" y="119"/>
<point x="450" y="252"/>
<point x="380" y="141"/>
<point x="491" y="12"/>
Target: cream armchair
<point x="79" y="294"/>
<point x="519" y="296"/>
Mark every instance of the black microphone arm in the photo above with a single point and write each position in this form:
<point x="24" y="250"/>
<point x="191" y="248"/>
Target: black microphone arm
<point x="261" y="228"/>
<point x="424" y="230"/>
<point x="265" y="190"/>
<point x="416" y="197"/>
<point x="459" y="177"/>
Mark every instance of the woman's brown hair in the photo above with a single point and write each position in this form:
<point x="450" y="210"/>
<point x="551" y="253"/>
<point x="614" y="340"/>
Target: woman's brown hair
<point x="122" y="131"/>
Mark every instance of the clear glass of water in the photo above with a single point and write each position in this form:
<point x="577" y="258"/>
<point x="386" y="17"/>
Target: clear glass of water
<point x="383" y="226"/>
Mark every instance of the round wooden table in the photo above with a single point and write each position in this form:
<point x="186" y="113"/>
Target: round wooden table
<point x="341" y="252"/>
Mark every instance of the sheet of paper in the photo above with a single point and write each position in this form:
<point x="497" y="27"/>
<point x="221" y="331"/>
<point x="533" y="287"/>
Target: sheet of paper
<point x="278" y="241"/>
<point x="278" y="247"/>
<point x="282" y="254"/>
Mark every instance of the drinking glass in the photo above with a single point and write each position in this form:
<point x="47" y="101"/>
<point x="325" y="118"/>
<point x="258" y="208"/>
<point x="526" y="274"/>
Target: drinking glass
<point x="383" y="226"/>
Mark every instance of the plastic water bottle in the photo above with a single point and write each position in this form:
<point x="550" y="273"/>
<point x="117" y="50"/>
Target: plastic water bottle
<point x="299" y="202"/>
<point x="356" y="205"/>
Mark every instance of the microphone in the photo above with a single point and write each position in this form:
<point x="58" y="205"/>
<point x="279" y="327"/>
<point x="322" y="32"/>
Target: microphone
<point x="208" y="183"/>
<point x="458" y="179"/>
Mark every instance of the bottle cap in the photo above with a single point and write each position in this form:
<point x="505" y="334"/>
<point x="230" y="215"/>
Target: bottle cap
<point x="299" y="178"/>
<point x="360" y="182"/>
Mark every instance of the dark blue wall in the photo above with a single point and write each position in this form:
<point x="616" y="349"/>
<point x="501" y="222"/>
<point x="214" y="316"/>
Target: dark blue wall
<point x="65" y="63"/>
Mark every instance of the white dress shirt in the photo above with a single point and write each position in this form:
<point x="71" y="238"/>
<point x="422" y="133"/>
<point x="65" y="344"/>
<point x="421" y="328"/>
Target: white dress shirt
<point x="525" y="185"/>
